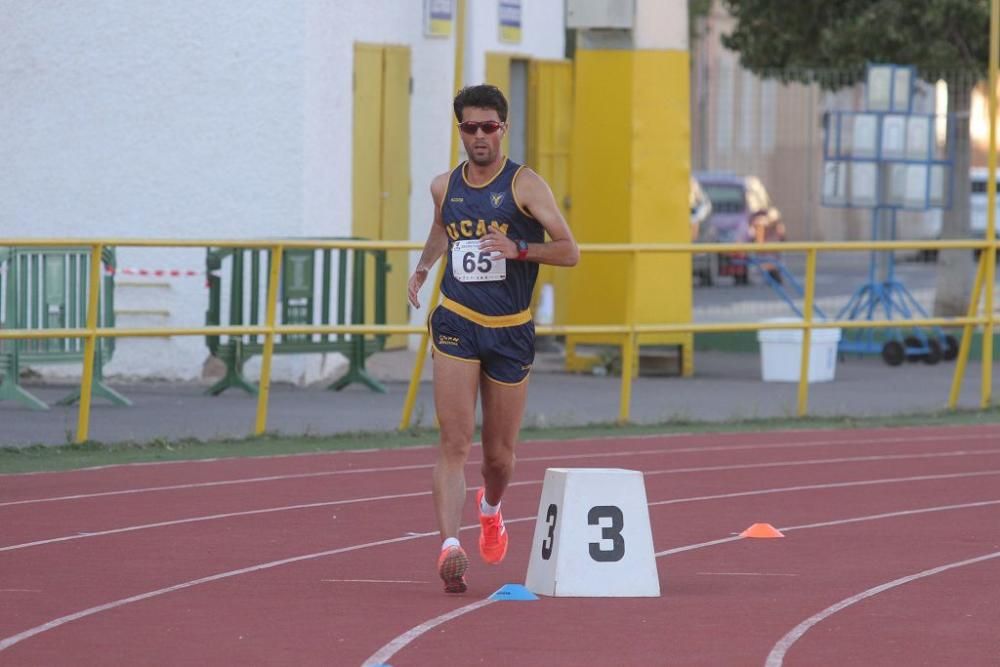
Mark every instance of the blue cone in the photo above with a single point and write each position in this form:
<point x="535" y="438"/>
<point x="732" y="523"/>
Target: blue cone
<point x="514" y="592"/>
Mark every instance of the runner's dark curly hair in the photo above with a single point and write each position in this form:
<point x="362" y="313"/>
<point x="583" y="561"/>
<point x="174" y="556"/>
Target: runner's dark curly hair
<point x="483" y="96"/>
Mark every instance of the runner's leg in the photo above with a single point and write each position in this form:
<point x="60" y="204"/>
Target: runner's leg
<point x="455" y="388"/>
<point x="503" y="409"/>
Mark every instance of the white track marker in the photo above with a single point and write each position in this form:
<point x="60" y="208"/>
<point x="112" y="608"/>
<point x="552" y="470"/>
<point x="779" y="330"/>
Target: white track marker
<point x="777" y="655"/>
<point x="561" y="457"/>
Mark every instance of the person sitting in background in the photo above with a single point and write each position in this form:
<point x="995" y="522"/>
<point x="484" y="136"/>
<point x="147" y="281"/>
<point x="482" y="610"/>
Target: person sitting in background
<point x="767" y="227"/>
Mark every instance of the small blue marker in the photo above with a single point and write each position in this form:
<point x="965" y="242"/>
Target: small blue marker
<point x="513" y="592"/>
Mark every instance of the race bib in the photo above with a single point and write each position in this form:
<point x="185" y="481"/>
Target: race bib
<point x="469" y="264"/>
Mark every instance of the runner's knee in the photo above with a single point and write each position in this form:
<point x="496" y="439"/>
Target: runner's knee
<point x="498" y="460"/>
<point x="455" y="447"/>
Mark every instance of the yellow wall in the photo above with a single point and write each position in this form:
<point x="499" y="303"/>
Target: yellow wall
<point x="629" y="184"/>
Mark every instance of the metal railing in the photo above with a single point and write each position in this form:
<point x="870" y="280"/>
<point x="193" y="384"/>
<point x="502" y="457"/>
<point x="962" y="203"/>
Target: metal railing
<point x="628" y="330"/>
<point x="316" y="287"/>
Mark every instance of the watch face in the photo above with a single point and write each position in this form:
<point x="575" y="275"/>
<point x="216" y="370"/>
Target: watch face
<point x="522" y="245"/>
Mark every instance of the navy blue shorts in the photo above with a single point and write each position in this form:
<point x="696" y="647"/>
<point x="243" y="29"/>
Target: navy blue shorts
<point x="504" y="352"/>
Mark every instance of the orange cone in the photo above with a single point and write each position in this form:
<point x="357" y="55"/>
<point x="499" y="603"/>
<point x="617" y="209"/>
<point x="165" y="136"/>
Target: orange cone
<point x="762" y="530"/>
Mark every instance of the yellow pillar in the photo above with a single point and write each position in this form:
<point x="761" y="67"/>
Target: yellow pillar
<point x="630" y="178"/>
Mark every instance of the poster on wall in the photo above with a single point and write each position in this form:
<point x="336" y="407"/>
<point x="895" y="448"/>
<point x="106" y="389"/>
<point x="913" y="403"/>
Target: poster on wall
<point x="438" y="17"/>
<point x="510" y="21"/>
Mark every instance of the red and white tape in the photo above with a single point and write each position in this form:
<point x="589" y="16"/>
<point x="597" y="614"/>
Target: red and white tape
<point x="155" y="273"/>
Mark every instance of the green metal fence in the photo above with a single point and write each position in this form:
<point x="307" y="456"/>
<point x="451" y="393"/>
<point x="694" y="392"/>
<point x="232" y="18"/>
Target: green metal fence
<point x="317" y="287"/>
<point x="47" y="289"/>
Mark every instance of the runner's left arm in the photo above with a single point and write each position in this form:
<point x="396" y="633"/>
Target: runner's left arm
<point x="535" y="197"/>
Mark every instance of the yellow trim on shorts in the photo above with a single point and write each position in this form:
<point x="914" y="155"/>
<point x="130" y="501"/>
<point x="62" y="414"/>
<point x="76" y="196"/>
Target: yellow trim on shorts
<point x="437" y="350"/>
<point x="507" y="384"/>
<point x="489" y="321"/>
<point x="513" y="191"/>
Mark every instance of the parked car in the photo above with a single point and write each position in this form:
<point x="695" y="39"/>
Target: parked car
<point x="742" y="212"/>
<point x="929" y="223"/>
<point x="978" y="203"/>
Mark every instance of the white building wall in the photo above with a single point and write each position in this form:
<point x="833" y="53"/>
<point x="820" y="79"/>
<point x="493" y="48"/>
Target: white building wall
<point x="543" y="34"/>
<point x="212" y="119"/>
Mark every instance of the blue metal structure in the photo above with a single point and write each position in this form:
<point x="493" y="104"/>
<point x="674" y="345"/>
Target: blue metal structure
<point x="888" y="158"/>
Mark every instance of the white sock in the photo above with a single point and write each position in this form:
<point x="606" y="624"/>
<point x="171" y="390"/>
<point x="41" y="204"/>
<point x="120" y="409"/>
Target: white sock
<point x="450" y="542"/>
<point x="486" y="509"/>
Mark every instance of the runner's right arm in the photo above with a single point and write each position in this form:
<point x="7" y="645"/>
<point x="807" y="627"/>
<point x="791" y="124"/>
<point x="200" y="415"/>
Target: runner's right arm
<point x="437" y="241"/>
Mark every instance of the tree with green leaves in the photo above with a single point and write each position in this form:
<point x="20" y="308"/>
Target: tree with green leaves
<point x="801" y="39"/>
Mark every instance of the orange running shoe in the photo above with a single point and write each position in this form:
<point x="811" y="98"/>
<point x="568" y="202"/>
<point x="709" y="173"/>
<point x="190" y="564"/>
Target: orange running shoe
<point x="452" y="564"/>
<point x="492" y="534"/>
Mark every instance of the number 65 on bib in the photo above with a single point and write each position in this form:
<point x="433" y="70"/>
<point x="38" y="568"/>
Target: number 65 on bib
<point x="469" y="264"/>
<point x="592" y="536"/>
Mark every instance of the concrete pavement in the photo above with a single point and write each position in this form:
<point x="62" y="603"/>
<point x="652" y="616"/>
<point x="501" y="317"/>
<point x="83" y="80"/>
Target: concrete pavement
<point x="726" y="386"/>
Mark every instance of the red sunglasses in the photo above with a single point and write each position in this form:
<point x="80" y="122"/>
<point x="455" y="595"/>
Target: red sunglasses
<point x="487" y="126"/>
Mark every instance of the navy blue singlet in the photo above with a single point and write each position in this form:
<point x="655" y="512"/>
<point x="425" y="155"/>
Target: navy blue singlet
<point x="468" y="212"/>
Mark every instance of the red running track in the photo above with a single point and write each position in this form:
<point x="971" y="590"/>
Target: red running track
<point x="891" y="556"/>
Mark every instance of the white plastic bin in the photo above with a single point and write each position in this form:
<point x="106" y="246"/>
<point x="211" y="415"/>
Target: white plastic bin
<point x="781" y="353"/>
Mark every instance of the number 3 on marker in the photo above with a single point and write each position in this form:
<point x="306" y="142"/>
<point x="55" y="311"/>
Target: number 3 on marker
<point x="550" y="520"/>
<point x="612" y="532"/>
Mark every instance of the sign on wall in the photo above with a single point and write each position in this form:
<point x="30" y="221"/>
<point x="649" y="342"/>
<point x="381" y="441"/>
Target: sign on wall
<point x="438" y="17"/>
<point x="510" y="21"/>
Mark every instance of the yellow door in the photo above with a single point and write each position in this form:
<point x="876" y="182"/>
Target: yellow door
<point x="381" y="196"/>
<point x="366" y="197"/>
<point x="498" y="74"/>
<point x="549" y="122"/>
<point x="395" y="214"/>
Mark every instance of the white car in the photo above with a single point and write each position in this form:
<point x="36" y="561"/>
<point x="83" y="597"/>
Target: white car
<point x="927" y="224"/>
<point x="977" y="202"/>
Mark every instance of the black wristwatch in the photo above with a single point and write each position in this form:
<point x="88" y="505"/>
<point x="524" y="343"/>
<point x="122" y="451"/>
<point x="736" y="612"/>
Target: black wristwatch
<point x="522" y="249"/>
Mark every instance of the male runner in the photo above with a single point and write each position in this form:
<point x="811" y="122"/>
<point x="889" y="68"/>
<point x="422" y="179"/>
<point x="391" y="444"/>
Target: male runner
<point x="490" y="216"/>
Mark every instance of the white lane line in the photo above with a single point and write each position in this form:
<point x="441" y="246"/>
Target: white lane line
<point x="747" y="574"/>
<point x="560" y="457"/>
<point x="777" y="655"/>
<point x="373" y="581"/>
<point x="831" y="485"/>
<point x="62" y="620"/>
<point x="286" y="508"/>
<point x="815" y="462"/>
<point x="886" y="515"/>
<point x="390" y="649"/>
<point x="211" y="517"/>
<point x="202" y="485"/>
<point x="413" y="634"/>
